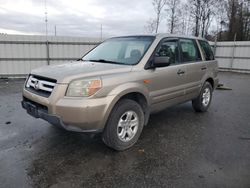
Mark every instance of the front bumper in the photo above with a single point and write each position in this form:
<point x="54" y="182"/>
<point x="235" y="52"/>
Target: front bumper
<point x="72" y="114"/>
<point x="37" y="112"/>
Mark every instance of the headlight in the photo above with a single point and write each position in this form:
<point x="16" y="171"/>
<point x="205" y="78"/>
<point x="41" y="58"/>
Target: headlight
<point x="83" y="88"/>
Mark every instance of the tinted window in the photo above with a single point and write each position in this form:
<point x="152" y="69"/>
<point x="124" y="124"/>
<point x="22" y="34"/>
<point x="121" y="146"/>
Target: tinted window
<point x="169" y="49"/>
<point x="189" y="50"/>
<point x="207" y="51"/>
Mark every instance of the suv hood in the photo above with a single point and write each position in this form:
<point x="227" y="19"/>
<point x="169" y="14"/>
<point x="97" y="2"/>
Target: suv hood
<point x="66" y="72"/>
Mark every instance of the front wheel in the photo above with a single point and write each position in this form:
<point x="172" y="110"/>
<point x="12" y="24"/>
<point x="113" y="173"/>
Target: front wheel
<point x="203" y="101"/>
<point x="124" y="126"/>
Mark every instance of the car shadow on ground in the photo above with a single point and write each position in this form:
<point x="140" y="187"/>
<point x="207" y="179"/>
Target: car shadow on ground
<point x="76" y="157"/>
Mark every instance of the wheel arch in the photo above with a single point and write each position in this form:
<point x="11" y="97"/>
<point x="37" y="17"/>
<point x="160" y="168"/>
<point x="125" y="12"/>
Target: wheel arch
<point x="211" y="81"/>
<point x="141" y="100"/>
<point x="136" y="96"/>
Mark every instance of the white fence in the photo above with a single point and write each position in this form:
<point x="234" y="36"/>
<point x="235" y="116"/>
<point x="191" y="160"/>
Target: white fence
<point x="233" y="56"/>
<point x="19" y="54"/>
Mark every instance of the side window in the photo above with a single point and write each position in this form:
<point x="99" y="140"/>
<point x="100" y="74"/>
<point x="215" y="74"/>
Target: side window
<point x="169" y="49"/>
<point x="207" y="51"/>
<point x="189" y="50"/>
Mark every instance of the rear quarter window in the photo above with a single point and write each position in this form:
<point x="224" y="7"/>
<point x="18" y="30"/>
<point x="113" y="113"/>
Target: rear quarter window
<point x="206" y="50"/>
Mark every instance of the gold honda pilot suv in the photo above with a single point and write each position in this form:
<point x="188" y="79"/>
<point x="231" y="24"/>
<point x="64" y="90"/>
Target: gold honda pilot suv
<point x="115" y="87"/>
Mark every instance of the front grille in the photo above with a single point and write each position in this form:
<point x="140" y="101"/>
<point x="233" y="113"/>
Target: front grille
<point x="40" y="85"/>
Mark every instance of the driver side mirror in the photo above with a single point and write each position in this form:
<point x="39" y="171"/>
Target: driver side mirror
<point x="161" y="61"/>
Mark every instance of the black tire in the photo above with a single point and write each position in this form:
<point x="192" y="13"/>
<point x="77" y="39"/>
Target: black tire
<point x="197" y="103"/>
<point x="110" y="135"/>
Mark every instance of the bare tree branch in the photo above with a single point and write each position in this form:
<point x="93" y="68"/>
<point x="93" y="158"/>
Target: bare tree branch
<point x="174" y="14"/>
<point x="158" y="7"/>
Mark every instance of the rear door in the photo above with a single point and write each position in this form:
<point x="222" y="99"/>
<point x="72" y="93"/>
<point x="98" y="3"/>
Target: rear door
<point x="211" y="63"/>
<point x="168" y="82"/>
<point x="195" y="67"/>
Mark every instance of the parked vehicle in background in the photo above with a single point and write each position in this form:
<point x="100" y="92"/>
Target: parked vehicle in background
<point x="118" y="84"/>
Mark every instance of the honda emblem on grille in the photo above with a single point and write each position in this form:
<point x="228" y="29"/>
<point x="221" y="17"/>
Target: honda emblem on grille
<point x="36" y="85"/>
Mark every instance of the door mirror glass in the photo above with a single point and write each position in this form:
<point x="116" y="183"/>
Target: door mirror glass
<point x="161" y="61"/>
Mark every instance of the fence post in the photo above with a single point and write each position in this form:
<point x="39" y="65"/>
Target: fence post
<point x="47" y="48"/>
<point x="233" y="52"/>
<point x="215" y="46"/>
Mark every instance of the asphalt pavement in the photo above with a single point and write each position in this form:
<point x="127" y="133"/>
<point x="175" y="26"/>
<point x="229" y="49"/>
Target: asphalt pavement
<point x="179" y="148"/>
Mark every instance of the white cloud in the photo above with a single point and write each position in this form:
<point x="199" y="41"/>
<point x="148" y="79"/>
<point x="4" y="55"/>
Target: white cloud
<point x="76" y="17"/>
<point x="10" y="31"/>
<point x="26" y="7"/>
<point x="86" y="7"/>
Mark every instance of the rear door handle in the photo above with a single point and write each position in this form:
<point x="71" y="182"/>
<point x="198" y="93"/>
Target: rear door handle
<point x="180" y="72"/>
<point x="203" y="68"/>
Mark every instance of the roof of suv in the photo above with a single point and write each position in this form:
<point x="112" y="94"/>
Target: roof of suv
<point x="164" y="35"/>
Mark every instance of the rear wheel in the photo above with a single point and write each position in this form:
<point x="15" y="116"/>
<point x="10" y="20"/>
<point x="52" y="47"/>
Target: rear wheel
<point x="203" y="101"/>
<point x="124" y="126"/>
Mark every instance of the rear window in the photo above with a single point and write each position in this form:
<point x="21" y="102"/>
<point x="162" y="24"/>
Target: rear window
<point x="207" y="50"/>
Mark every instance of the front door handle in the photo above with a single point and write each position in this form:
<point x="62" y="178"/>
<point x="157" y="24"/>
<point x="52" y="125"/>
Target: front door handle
<point x="180" y="72"/>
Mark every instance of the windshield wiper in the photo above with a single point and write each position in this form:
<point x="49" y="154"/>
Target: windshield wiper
<point x="106" y="61"/>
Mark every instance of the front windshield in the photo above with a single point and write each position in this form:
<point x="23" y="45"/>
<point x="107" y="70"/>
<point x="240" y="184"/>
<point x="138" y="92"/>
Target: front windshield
<point x="122" y="50"/>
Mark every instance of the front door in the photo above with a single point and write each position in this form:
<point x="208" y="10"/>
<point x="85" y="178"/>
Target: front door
<point x="168" y="83"/>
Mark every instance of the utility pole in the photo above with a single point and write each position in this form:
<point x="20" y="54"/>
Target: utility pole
<point x="101" y="32"/>
<point x="55" y="30"/>
<point x="46" y="30"/>
<point x="46" y="19"/>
